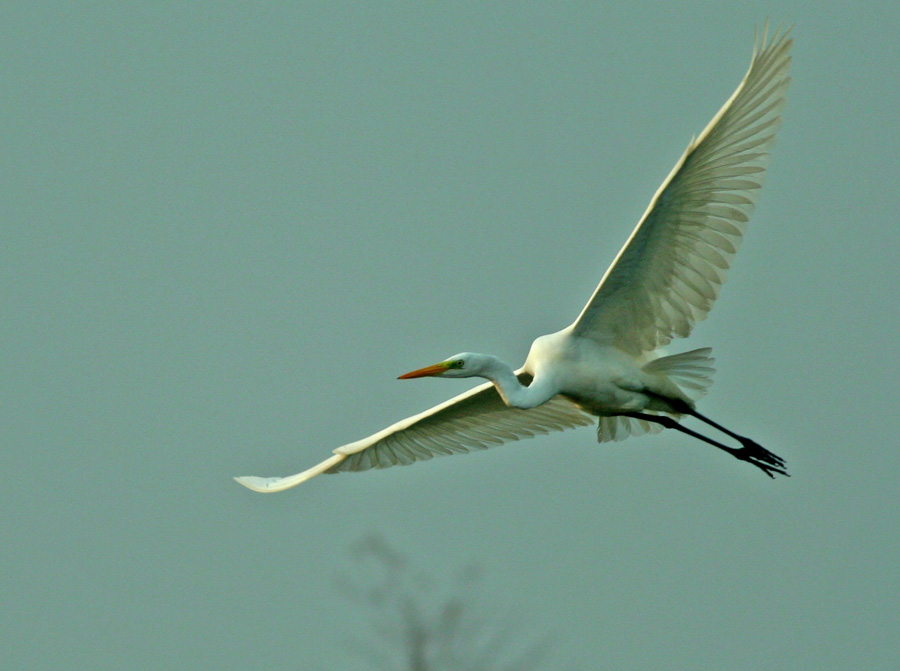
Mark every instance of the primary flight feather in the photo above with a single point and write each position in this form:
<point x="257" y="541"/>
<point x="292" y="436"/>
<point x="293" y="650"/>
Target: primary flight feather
<point x="605" y="367"/>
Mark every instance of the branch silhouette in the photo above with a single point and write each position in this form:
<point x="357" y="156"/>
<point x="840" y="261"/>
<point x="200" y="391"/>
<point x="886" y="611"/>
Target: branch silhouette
<point x="417" y="628"/>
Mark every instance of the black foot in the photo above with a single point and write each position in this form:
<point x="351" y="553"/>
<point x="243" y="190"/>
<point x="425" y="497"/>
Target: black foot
<point x="754" y="453"/>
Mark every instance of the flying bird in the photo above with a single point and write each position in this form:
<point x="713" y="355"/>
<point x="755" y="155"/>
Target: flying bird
<point x="606" y="366"/>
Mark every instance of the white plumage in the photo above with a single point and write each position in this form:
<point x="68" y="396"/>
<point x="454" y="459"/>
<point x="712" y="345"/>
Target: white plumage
<point x="606" y="365"/>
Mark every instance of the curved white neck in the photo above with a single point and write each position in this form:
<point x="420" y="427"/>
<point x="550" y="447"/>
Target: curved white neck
<point x="513" y="393"/>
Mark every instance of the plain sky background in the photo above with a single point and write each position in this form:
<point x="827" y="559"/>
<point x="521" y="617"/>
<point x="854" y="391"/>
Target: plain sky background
<point x="227" y="227"/>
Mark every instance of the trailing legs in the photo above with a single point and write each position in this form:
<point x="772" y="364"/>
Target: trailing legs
<point x="750" y="451"/>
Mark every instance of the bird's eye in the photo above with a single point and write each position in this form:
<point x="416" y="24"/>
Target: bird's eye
<point x="459" y="363"/>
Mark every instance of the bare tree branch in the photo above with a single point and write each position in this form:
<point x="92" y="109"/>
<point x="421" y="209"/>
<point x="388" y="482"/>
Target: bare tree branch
<point x="417" y="630"/>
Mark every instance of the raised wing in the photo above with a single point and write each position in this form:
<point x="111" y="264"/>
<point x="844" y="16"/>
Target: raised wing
<point x="668" y="274"/>
<point x="474" y="420"/>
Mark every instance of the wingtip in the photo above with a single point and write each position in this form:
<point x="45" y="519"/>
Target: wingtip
<point x="271" y="485"/>
<point x="761" y="42"/>
<point x="258" y="484"/>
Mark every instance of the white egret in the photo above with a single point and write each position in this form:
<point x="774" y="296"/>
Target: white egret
<point x="606" y="366"/>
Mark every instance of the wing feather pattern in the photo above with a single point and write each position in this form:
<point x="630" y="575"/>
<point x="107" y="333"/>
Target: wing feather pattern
<point x="474" y="420"/>
<point x="670" y="270"/>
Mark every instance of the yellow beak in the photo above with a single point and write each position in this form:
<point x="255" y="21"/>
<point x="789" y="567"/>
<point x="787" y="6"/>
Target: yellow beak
<point x="436" y="369"/>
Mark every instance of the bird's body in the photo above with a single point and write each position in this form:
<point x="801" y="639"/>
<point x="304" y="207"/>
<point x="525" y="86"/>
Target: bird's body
<point x="601" y="379"/>
<point x="607" y="365"/>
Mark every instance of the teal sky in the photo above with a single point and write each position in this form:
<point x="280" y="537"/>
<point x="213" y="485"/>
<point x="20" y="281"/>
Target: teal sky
<point x="229" y="226"/>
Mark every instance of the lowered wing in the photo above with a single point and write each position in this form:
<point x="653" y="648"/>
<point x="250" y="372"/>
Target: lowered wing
<point x="474" y="420"/>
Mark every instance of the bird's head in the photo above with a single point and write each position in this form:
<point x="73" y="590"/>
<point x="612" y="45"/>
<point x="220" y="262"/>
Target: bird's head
<point x="465" y="364"/>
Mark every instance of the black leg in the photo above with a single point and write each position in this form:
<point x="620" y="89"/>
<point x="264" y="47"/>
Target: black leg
<point x="750" y="451"/>
<point x="751" y="446"/>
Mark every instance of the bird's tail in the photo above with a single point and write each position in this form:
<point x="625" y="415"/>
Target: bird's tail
<point x="691" y="371"/>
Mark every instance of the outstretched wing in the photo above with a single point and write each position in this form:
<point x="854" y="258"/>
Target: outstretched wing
<point x="474" y="420"/>
<point x="668" y="274"/>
